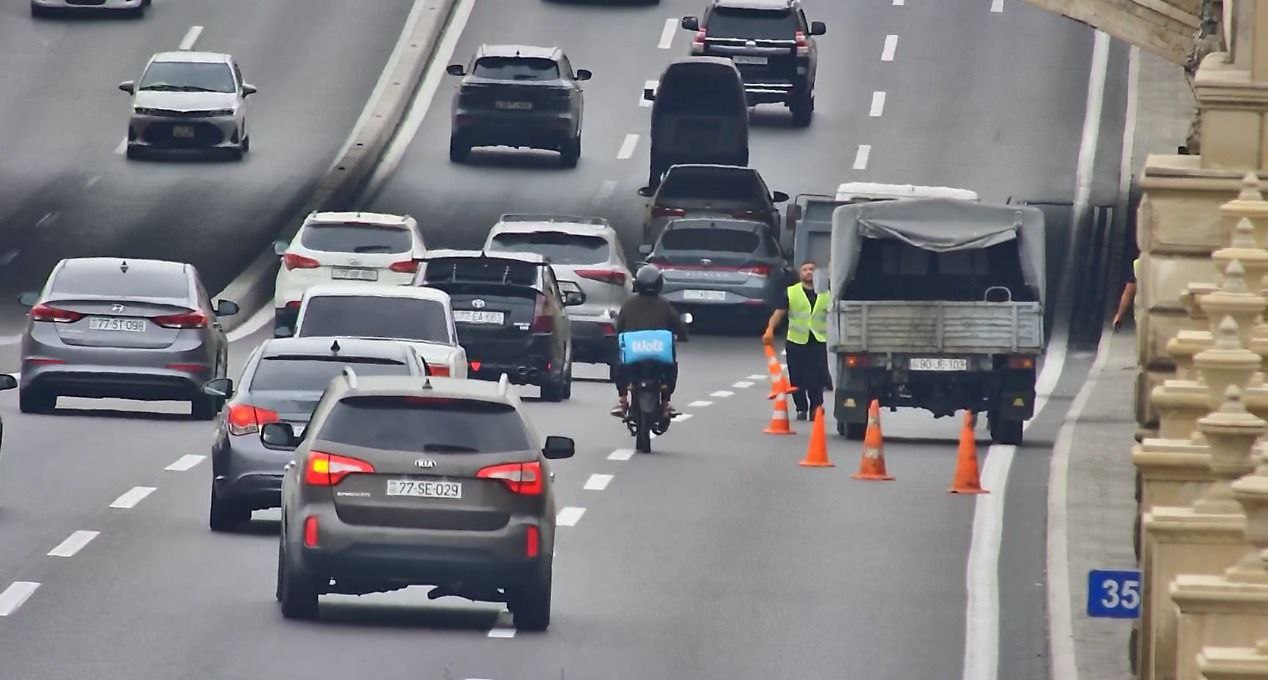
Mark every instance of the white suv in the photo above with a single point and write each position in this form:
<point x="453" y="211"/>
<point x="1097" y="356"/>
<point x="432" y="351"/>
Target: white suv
<point x="345" y="247"/>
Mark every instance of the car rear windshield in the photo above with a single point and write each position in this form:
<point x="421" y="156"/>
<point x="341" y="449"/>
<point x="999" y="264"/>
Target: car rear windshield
<point x="516" y="68"/>
<point x="313" y="374"/>
<point x="721" y="240"/>
<point x="111" y="280"/>
<point x="182" y="76"/>
<point x="372" y="316"/>
<point x="558" y="247"/>
<point x="709" y="185"/>
<point x="356" y="238"/>
<point x="705" y="92"/>
<point x="426" y="425"/>
<point x="759" y="24"/>
<point x="482" y="270"/>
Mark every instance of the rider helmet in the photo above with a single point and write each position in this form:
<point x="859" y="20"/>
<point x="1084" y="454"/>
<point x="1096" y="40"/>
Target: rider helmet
<point x="648" y="280"/>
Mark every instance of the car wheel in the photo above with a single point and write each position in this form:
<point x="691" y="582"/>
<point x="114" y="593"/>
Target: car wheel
<point x="530" y="603"/>
<point x="133" y="152"/>
<point x="803" y="109"/>
<point x="1007" y="431"/>
<point x="612" y="373"/>
<point x="33" y="401"/>
<point x="225" y="515"/>
<point x="458" y="149"/>
<point x="852" y="431"/>
<point x="565" y="388"/>
<point x="552" y="390"/>
<point x="37" y="11"/>
<point x="570" y="153"/>
<point x="246" y="144"/>
<point x="202" y="407"/>
<point x="234" y="154"/>
<point x="138" y="11"/>
<point x="297" y="589"/>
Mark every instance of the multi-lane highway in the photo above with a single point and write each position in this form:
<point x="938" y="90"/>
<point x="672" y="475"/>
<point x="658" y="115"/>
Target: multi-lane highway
<point x="717" y="556"/>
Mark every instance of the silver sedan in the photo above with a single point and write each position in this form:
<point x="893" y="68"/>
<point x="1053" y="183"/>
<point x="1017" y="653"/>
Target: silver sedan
<point x="45" y="7"/>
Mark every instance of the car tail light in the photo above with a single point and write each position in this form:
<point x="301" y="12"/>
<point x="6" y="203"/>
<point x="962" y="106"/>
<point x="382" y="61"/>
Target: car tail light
<point x="404" y="266"/>
<point x="310" y="532"/>
<point x="521" y="478"/>
<point x="293" y="261"/>
<point x="56" y="315"/>
<point x="43" y="361"/>
<point x="532" y="542"/>
<point x="756" y="269"/>
<point x="188" y="319"/>
<point x="664" y="211"/>
<point x="327" y="469"/>
<point x="612" y="276"/>
<point x="803" y="46"/>
<point x="856" y="360"/>
<point x="609" y="329"/>
<point x="1021" y="362"/>
<point x="438" y="369"/>
<point x="247" y="419"/>
<point x="697" y="43"/>
<point x="475" y="365"/>
<point x="293" y="304"/>
<point x="542" y="322"/>
<point x="188" y="367"/>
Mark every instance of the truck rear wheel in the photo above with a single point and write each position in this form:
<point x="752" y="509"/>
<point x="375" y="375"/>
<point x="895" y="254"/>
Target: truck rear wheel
<point x="851" y="431"/>
<point x="1006" y="431"/>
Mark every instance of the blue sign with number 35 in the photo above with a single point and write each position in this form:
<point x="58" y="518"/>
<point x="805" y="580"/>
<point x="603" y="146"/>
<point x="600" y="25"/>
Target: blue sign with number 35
<point x="1113" y="594"/>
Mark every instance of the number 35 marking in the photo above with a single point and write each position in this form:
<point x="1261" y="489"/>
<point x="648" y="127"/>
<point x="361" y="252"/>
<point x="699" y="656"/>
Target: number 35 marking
<point x="1128" y="597"/>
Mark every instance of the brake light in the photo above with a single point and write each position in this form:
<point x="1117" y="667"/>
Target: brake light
<point x="247" y="419"/>
<point x="803" y="46"/>
<point x="856" y="360"/>
<point x="756" y="269"/>
<point x="56" y="315"/>
<point x="293" y="261"/>
<point x="475" y="365"/>
<point x="662" y="211"/>
<point x="310" y="532"/>
<point x="437" y="369"/>
<point x="532" y="542"/>
<point x="612" y="276"/>
<point x="327" y="469"/>
<point x="293" y="304"/>
<point x="1021" y="362"/>
<point x="404" y="266"/>
<point x="609" y="329"/>
<point x="521" y="478"/>
<point x="542" y="322"/>
<point x="190" y="319"/>
<point x="697" y="43"/>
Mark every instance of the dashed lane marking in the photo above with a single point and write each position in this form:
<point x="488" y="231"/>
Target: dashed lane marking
<point x="758" y="376"/>
<point x="742" y="384"/>
<point x="861" y="156"/>
<point x="191" y="37"/>
<point x="598" y="482"/>
<point x="667" y="34"/>
<point x="699" y="404"/>
<point x="627" y="147"/>
<point x="16" y="595"/>
<point x="503" y="633"/>
<point x="569" y="516"/>
<point x="73" y="544"/>
<point x="621" y="454"/>
<point x="185" y="463"/>
<point x="133" y="496"/>
<point x="891" y="44"/>
<point x="681" y="417"/>
<point x="878" y="104"/>
<point x="722" y="394"/>
<point x="997" y="6"/>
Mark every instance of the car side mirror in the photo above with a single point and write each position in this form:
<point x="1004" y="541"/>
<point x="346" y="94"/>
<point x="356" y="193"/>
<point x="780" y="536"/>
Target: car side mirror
<point x="691" y="23"/>
<point x="649" y="94"/>
<point x="456" y="70"/>
<point x="818" y="28"/>
<point x="220" y="388"/>
<point x="29" y="299"/>
<point x="248" y="90"/>
<point x="279" y="436"/>
<point x="280" y="247"/>
<point x="283" y="332"/>
<point x="559" y="447"/>
<point x="778" y="196"/>
<point x="645" y="249"/>
<point x="584" y="74"/>
<point x="646" y="192"/>
<point x="7" y="382"/>
<point x="227" y="308"/>
<point x="128" y="86"/>
<point x="572" y="298"/>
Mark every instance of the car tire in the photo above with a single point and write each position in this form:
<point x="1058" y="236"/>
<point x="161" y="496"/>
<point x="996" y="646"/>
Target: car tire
<point x="31" y="400"/>
<point x="37" y="11"/>
<point x="553" y="390"/>
<point x="530" y="603"/>
<point x="138" y="11"/>
<point x="458" y="150"/>
<point x="204" y="408"/>
<point x="565" y="388"/>
<point x="803" y="110"/>
<point x="246" y="144"/>
<point x="570" y="153"/>
<point x="1009" y="432"/>
<point x="133" y="152"/>
<point x="297" y="589"/>
<point x="225" y="515"/>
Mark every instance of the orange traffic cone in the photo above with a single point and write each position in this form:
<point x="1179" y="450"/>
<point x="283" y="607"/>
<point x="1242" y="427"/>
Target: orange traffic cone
<point x="872" y="462"/>
<point x="967" y="478"/>
<point x="817" y="452"/>
<point x="779" y="384"/>
<point x="779" y="419"/>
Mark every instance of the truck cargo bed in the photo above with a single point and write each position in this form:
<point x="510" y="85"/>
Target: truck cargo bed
<point x="937" y="327"/>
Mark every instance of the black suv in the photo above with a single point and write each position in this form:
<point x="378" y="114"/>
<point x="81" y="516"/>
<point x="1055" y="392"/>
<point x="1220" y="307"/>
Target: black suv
<point x="520" y="96"/>
<point x="771" y="43"/>
<point x="509" y="311"/>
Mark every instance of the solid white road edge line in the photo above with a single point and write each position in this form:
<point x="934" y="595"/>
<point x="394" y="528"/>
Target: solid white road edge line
<point x="597" y="482"/>
<point x="185" y="462"/>
<point x="878" y="104"/>
<point x="569" y="516"/>
<point x="621" y="454"/>
<point x="627" y="147"/>
<point x="73" y="544"/>
<point x="253" y="325"/>
<point x="133" y="496"/>
<point x="16" y="595"/>
<point x="667" y="35"/>
<point x="891" y="45"/>
<point x="1091" y="123"/>
<point x="191" y="37"/>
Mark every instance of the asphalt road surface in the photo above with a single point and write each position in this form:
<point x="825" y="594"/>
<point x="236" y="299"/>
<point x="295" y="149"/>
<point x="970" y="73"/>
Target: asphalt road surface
<point x="717" y="556"/>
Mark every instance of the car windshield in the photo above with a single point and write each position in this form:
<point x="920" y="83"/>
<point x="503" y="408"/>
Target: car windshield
<point x="426" y="425"/>
<point x="355" y="238"/>
<point x="757" y="24"/>
<point x="710" y="185"/>
<point x="372" y="316"/>
<point x="111" y="280"/>
<point x="480" y="270"/>
<point x="184" y="76"/>
<point x="558" y="247"/>
<point x="718" y="240"/>
<point x="516" y="68"/>
<point x="314" y="373"/>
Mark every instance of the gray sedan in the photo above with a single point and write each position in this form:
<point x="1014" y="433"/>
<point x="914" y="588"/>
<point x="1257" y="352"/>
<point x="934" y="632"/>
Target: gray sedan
<point x="130" y="329"/>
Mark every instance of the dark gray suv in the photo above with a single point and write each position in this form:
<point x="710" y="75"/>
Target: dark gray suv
<point x="400" y="481"/>
<point x="518" y="96"/>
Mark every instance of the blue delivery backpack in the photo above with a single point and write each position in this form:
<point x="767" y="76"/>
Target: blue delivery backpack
<point x="651" y="346"/>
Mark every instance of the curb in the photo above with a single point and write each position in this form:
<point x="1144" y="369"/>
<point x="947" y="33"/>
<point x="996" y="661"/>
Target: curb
<point x="253" y="288"/>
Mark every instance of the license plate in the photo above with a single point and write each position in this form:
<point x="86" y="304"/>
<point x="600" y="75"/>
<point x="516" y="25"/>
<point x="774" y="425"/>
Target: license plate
<point x="514" y="106"/>
<point x="183" y="131"/>
<point x="756" y="61"/>
<point x="472" y="316"/>
<point x="940" y="364"/>
<point x="354" y="274"/>
<point x="421" y="489"/>
<point x="100" y="323"/>
<point x="709" y="295"/>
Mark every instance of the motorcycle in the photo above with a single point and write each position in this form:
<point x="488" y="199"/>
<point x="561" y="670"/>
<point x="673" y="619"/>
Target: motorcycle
<point x="646" y="354"/>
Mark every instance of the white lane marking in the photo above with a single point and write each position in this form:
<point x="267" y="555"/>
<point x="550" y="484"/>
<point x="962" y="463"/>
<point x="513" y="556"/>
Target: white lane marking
<point x="91" y="181"/>
<point x="1060" y="616"/>
<point x="891" y="44"/>
<point x="255" y="323"/>
<point x="1125" y="169"/>
<point x="722" y="394"/>
<point x="73" y="544"/>
<point x="627" y="147"/>
<point x="649" y="85"/>
<point x="133" y="496"/>
<point x="569" y="516"/>
<point x="1091" y="124"/>
<point x="899" y="3"/>
<point x="185" y="462"/>
<point x="878" y="104"/>
<point x="621" y="454"/>
<point x="16" y="595"/>
<point x="758" y="376"/>
<point x="191" y="37"/>
<point x="423" y="97"/>
<point x="47" y="219"/>
<point x="997" y="6"/>
<point x="606" y="189"/>
<point x="742" y="384"/>
<point x="504" y="633"/>
<point x="123" y="146"/>
<point x="597" y="482"/>
<point x="699" y="404"/>
<point x="667" y="34"/>
<point x="683" y="417"/>
<point x="861" y="156"/>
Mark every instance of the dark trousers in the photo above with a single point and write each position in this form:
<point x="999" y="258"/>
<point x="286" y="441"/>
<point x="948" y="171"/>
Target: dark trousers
<point x="813" y="396"/>
<point x="669" y="374"/>
<point x="808" y="372"/>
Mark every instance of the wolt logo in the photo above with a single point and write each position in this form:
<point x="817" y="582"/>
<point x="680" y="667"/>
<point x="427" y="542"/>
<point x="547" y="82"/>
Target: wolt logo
<point x="648" y="346"/>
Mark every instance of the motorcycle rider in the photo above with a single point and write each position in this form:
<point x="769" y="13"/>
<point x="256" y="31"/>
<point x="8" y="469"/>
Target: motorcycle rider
<point x="647" y="311"/>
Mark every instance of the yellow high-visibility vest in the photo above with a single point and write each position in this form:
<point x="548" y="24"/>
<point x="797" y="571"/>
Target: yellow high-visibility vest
<point x="802" y="320"/>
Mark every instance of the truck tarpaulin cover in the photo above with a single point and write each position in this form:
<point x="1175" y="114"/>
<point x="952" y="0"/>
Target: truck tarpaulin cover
<point x="939" y="225"/>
